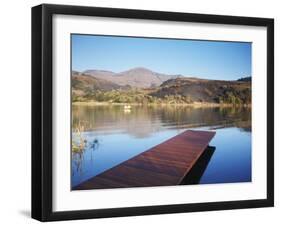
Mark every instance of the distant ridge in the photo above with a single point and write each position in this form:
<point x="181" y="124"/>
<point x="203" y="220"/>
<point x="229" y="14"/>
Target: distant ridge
<point x="138" y="77"/>
<point x="245" y="79"/>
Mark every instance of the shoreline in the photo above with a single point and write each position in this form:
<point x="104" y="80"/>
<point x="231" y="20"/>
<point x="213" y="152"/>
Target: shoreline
<point x="195" y="104"/>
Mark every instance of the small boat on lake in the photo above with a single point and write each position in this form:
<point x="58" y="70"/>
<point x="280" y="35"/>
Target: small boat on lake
<point x="127" y="107"/>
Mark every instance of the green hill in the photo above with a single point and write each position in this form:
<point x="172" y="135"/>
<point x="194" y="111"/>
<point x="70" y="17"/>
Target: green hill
<point x="83" y="86"/>
<point x="202" y="90"/>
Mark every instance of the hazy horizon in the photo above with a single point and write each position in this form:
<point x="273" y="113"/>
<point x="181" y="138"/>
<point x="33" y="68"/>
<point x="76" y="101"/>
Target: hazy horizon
<point x="216" y="60"/>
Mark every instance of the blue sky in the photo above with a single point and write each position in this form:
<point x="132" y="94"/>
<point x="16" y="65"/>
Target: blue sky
<point x="203" y="59"/>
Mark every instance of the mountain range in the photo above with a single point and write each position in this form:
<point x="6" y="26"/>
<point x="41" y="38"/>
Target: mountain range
<point x="137" y="77"/>
<point x="153" y="86"/>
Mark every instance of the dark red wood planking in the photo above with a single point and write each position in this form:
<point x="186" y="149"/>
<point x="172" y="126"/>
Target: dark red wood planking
<point x="165" y="164"/>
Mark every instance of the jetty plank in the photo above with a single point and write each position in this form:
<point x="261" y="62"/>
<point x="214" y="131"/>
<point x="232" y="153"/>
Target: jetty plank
<point x="165" y="164"/>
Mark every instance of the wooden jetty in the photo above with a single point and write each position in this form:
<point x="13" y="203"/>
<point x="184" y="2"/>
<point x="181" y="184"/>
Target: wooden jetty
<point x="165" y="164"/>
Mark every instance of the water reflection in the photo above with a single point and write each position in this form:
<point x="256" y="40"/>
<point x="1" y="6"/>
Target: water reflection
<point x="145" y="120"/>
<point x="195" y="174"/>
<point x="112" y="135"/>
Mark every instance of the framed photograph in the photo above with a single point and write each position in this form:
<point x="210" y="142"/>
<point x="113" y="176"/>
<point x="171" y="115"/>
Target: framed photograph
<point x="140" y="112"/>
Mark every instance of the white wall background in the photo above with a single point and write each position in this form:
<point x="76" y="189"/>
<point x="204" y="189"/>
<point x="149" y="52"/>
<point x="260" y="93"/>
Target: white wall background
<point x="15" y="124"/>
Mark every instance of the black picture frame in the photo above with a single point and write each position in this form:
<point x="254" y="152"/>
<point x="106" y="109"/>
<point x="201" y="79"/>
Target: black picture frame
<point x="42" y="107"/>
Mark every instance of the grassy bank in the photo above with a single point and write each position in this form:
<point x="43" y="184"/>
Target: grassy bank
<point x="194" y="104"/>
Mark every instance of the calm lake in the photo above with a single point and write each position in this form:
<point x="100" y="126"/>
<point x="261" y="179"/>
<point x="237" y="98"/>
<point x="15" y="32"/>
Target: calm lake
<point x="114" y="135"/>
